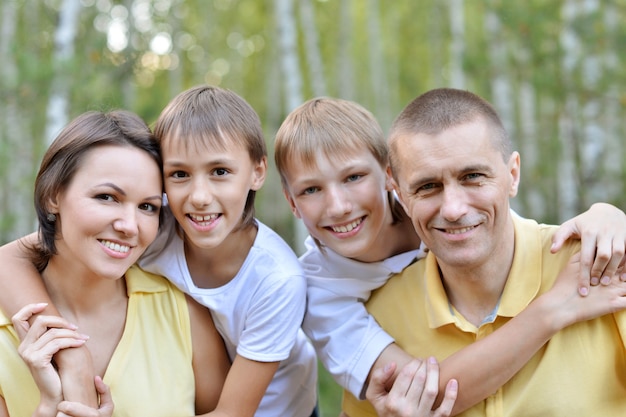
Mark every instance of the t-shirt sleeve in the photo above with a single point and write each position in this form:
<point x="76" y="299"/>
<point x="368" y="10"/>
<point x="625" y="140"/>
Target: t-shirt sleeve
<point x="346" y="337"/>
<point x="274" y="318"/>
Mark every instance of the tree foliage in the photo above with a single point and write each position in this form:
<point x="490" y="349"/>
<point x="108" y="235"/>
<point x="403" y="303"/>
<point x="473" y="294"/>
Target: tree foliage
<point x="554" y="68"/>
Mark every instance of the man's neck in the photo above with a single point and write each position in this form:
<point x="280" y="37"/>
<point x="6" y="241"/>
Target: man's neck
<point x="475" y="291"/>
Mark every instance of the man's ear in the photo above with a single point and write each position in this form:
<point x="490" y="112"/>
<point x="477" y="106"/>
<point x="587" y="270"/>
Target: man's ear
<point x="515" y="172"/>
<point x="388" y="179"/>
<point x="394" y="187"/>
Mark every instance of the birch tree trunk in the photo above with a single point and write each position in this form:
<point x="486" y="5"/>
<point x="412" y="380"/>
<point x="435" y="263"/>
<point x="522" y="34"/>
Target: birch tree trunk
<point x="292" y="87"/>
<point x="377" y="65"/>
<point x="345" y="79"/>
<point x="457" y="46"/>
<point x="15" y="206"/>
<point x="567" y="127"/>
<point x="64" y="36"/>
<point x="312" y="49"/>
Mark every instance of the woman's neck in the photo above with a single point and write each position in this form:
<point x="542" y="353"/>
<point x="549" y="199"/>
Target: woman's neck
<point x="75" y="292"/>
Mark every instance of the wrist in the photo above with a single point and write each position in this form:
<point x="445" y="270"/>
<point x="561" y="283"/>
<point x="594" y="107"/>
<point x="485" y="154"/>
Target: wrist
<point x="45" y="409"/>
<point x="549" y="316"/>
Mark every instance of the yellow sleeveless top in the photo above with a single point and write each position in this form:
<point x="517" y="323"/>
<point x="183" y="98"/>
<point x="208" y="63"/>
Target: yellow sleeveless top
<point x="150" y="372"/>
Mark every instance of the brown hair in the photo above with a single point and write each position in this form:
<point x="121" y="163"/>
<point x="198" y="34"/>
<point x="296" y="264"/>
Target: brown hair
<point x="65" y="156"/>
<point x="443" y="108"/>
<point x="206" y="117"/>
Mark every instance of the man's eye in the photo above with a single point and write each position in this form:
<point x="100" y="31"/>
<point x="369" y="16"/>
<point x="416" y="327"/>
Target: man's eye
<point x="473" y="176"/>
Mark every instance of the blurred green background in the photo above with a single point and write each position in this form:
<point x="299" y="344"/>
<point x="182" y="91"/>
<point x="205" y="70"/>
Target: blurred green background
<point x="553" y="68"/>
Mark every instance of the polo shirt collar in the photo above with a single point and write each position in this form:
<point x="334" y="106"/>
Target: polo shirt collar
<point x="521" y="287"/>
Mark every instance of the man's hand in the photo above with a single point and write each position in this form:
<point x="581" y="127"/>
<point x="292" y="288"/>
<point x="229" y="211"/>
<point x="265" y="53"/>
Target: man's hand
<point x="602" y="231"/>
<point x="413" y="393"/>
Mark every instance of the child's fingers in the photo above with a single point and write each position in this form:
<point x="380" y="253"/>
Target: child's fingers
<point x="74" y="409"/>
<point x="445" y="409"/>
<point x="378" y="381"/>
<point x="106" y="400"/>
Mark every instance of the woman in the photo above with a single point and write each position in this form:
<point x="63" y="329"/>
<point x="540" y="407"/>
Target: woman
<point x="98" y="199"/>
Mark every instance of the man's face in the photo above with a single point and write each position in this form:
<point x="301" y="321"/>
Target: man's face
<point x="455" y="186"/>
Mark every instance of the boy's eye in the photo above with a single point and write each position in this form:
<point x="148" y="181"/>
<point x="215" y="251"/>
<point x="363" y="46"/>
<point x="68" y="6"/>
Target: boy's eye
<point x="178" y="174"/>
<point x="310" y="190"/>
<point x="354" y="177"/>
<point x="220" y="172"/>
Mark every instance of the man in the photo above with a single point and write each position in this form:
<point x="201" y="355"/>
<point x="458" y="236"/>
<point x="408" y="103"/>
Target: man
<point x="454" y="171"/>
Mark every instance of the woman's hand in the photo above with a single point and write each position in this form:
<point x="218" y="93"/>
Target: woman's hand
<point x="413" y="393"/>
<point x="74" y="409"/>
<point x="40" y="341"/>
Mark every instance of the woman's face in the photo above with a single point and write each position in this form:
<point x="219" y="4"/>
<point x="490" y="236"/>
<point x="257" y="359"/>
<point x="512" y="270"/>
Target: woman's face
<point x="109" y="213"/>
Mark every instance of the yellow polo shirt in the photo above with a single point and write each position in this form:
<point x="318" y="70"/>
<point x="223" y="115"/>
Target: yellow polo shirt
<point x="580" y="372"/>
<point x="150" y="372"/>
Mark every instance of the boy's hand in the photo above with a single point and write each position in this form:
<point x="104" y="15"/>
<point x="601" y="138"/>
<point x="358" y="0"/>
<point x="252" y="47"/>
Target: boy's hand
<point x="413" y="393"/>
<point x="602" y="231"/>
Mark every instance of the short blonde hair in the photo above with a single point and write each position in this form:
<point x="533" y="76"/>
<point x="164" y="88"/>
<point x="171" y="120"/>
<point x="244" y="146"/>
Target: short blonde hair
<point x="334" y="127"/>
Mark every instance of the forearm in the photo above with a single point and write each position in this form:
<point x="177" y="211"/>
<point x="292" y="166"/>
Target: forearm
<point x="20" y="280"/>
<point x="484" y="366"/>
<point x="22" y="285"/>
<point x="77" y="376"/>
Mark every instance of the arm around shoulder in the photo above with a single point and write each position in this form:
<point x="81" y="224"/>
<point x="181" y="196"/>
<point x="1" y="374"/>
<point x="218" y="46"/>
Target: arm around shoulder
<point x="210" y="361"/>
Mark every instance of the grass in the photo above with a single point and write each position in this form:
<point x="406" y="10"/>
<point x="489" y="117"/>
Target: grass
<point x="330" y="394"/>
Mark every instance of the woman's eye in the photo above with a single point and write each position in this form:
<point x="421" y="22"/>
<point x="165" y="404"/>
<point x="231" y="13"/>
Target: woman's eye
<point x="152" y="208"/>
<point x="105" y="197"/>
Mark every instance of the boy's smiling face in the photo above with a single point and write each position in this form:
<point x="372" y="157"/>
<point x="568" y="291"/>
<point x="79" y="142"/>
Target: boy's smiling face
<point x="341" y="200"/>
<point x="207" y="188"/>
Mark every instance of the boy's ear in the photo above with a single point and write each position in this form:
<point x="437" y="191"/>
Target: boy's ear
<point x="292" y="203"/>
<point x="259" y="174"/>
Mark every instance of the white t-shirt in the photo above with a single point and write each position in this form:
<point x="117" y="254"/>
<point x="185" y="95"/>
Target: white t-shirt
<point x="258" y="313"/>
<point x="346" y="338"/>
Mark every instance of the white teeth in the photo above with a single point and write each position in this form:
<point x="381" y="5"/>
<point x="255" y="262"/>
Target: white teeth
<point x="115" y="246"/>
<point x="346" y="228"/>
<point x="458" y="231"/>
<point x="201" y="219"/>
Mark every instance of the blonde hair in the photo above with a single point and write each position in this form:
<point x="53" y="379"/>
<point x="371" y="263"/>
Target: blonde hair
<point x="334" y="127"/>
